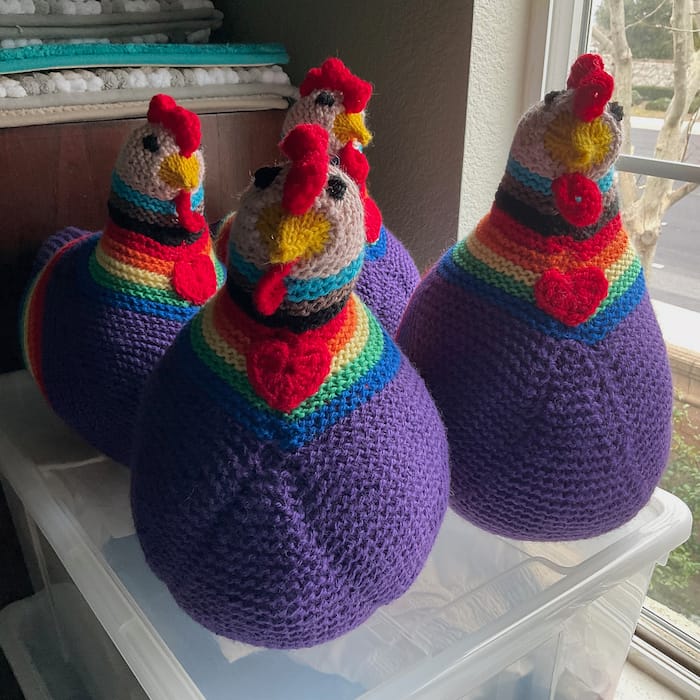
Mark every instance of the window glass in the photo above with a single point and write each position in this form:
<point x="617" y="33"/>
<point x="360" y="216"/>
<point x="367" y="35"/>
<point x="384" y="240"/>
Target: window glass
<point x="661" y="102"/>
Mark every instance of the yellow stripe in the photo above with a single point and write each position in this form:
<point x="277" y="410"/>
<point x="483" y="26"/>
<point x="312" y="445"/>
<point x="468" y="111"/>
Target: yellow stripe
<point x="130" y="273"/>
<point x="489" y="257"/>
<point x="218" y="345"/>
<point x="357" y="343"/>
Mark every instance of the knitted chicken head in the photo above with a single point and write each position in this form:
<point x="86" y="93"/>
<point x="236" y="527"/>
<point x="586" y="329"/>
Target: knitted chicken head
<point x="157" y="180"/>
<point x="291" y="468"/>
<point x="537" y="338"/>
<point x="332" y="97"/>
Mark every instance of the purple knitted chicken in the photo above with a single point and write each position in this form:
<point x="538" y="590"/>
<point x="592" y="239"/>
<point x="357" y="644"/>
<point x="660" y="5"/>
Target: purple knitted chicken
<point x="537" y="338"/>
<point x="336" y="99"/>
<point x="291" y="468"/>
<point x="103" y="307"/>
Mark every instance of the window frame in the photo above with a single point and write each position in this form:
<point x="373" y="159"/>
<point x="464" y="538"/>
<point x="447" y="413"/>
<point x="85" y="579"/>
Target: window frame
<point x="658" y="647"/>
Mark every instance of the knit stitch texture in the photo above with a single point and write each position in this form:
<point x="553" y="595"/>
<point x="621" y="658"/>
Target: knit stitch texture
<point x="103" y="307"/>
<point x="291" y="468"/>
<point x="538" y="341"/>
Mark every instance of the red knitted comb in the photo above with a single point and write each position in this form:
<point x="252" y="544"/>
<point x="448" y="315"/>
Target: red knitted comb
<point x="183" y="124"/>
<point x="593" y="86"/>
<point x="306" y="146"/>
<point x="333" y="75"/>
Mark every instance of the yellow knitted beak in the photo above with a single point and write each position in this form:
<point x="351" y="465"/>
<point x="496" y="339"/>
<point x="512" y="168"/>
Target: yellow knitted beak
<point x="292" y="237"/>
<point x="351" y="127"/>
<point x="578" y="145"/>
<point x="180" y="172"/>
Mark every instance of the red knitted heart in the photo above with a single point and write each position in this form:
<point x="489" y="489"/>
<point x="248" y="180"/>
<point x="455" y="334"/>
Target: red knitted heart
<point x="571" y="297"/>
<point x="195" y="279"/>
<point x="286" y="370"/>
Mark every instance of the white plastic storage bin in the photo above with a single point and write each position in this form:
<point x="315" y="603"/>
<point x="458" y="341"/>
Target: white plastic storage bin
<point x="58" y="650"/>
<point x="488" y="617"/>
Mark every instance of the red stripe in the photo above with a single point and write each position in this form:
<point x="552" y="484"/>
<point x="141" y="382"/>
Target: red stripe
<point x="527" y="238"/>
<point x="35" y="313"/>
<point x="146" y="245"/>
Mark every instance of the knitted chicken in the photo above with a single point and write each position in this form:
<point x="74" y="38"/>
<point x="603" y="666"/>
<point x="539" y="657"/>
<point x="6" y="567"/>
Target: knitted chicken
<point x="537" y="338"/>
<point x="291" y="468"/>
<point x="334" y="98"/>
<point x="104" y="306"/>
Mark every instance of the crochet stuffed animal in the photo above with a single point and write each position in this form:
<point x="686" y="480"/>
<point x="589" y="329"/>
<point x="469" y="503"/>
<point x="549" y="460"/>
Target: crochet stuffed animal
<point x="291" y="468"/>
<point x="537" y="338"/>
<point x="103" y="307"/>
<point x="334" y="98"/>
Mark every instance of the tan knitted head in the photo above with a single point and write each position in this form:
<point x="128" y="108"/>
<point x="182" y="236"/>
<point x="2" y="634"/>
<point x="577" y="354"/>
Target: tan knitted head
<point x="576" y="130"/>
<point x="334" y="98"/>
<point x="301" y="223"/>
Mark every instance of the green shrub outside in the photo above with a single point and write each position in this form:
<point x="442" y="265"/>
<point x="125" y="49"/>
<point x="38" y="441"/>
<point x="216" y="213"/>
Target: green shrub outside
<point x="677" y="584"/>
<point x="652" y="92"/>
<point x="660" y="104"/>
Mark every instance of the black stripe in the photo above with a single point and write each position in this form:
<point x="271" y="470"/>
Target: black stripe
<point x="282" y="319"/>
<point x="165" y="235"/>
<point x="552" y="224"/>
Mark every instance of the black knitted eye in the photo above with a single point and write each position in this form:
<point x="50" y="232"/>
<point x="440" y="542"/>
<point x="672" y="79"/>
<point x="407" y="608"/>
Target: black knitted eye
<point x="264" y="177"/>
<point x="336" y="188"/>
<point x="617" y="110"/>
<point x="150" y="143"/>
<point x="325" y="99"/>
<point x="549" y="97"/>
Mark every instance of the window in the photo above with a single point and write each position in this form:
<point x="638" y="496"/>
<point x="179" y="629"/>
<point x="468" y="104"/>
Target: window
<point x="658" y="172"/>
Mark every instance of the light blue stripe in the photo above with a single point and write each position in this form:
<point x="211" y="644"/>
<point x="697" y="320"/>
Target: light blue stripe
<point x="143" y="201"/>
<point x="542" y="184"/>
<point x="299" y="290"/>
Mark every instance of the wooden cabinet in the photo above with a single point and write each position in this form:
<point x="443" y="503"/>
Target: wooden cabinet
<point x="58" y="175"/>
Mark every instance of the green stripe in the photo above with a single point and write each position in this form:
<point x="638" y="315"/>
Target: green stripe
<point x="119" y="284"/>
<point x="469" y="263"/>
<point x="334" y="385"/>
<point x="466" y="260"/>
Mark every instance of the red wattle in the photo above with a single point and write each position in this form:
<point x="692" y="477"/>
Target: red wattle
<point x="270" y="290"/>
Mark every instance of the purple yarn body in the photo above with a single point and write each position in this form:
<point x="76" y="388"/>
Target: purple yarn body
<point x="388" y="279"/>
<point x="550" y="439"/>
<point x="286" y="549"/>
<point x="96" y="356"/>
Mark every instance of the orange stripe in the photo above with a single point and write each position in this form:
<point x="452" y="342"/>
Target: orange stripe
<point x="237" y="329"/>
<point x="148" y="263"/>
<point x="565" y="260"/>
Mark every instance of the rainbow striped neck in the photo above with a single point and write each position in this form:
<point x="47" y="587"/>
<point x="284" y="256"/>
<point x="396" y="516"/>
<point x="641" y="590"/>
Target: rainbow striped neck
<point x="286" y="386"/>
<point x="551" y="282"/>
<point x="164" y="279"/>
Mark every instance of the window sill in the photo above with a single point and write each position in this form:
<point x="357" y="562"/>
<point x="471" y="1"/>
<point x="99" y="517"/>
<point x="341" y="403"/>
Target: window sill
<point x="635" y="684"/>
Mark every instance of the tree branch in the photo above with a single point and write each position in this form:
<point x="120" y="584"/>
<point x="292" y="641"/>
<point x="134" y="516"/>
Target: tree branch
<point x="680" y="192"/>
<point x="602" y="38"/>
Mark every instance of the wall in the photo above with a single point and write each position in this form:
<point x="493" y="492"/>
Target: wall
<point x="417" y="55"/>
<point x="500" y="88"/>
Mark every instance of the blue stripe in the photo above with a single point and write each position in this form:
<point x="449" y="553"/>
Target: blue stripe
<point x="542" y="184"/>
<point x="299" y="290"/>
<point x="589" y="332"/>
<point x="268" y="425"/>
<point x="143" y="201"/>
<point x="377" y="250"/>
